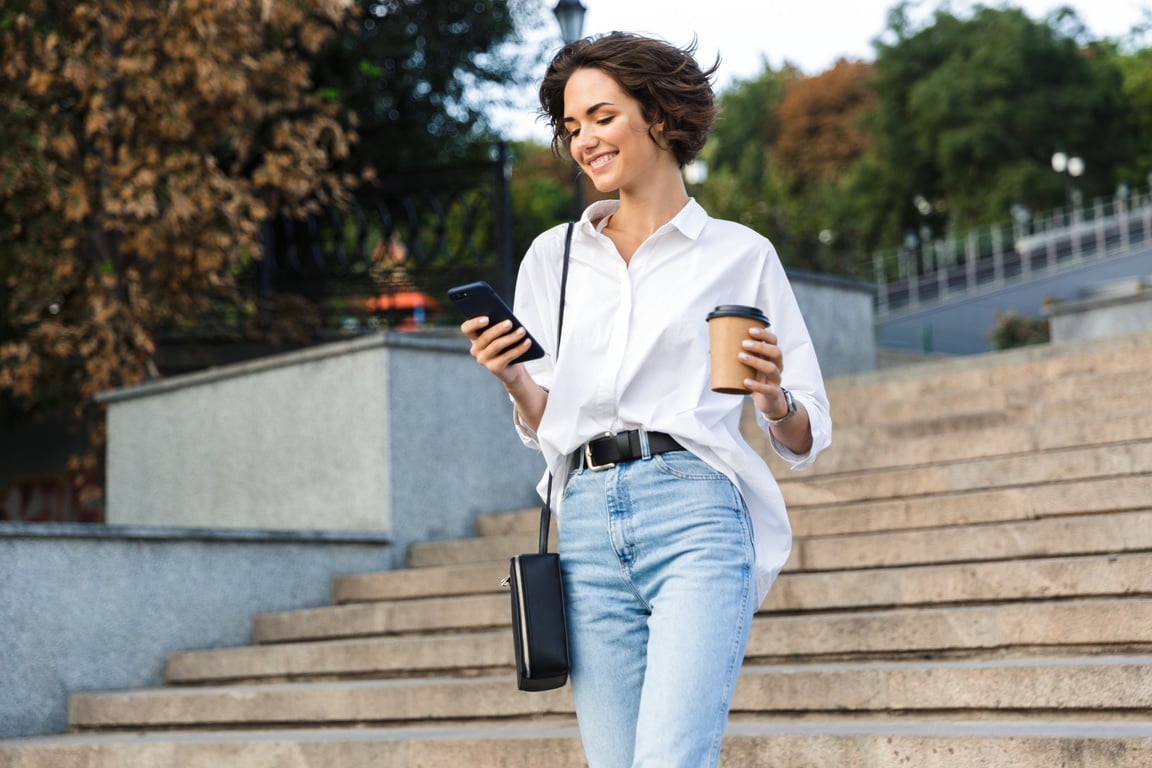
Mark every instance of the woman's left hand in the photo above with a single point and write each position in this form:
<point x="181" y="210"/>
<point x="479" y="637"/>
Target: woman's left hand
<point x="762" y="354"/>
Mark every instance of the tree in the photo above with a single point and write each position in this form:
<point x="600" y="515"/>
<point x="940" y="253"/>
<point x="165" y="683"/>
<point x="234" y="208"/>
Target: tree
<point x="1136" y="69"/>
<point x="142" y="146"/>
<point x="420" y="76"/>
<point x="970" y="111"/>
<point x="820" y="134"/>
<point x="779" y="153"/>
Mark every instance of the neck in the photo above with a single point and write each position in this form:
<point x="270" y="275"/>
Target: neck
<point x="644" y="210"/>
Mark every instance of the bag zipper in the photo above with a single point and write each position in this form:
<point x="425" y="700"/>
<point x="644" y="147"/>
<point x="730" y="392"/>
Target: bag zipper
<point x="523" y="619"/>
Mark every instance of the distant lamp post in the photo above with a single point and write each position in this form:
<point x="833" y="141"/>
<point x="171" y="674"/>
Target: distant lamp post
<point x="1021" y="216"/>
<point x="570" y="16"/>
<point x="696" y="172"/>
<point x="1071" y="168"/>
<point x="924" y="207"/>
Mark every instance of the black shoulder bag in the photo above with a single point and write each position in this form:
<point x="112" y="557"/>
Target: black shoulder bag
<point x="539" y="628"/>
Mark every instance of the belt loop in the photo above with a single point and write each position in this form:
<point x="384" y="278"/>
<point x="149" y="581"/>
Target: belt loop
<point x="645" y="451"/>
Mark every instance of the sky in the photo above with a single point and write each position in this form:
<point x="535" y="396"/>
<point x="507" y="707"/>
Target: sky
<point x="811" y="34"/>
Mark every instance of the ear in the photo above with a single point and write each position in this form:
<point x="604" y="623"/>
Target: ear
<point x="656" y="133"/>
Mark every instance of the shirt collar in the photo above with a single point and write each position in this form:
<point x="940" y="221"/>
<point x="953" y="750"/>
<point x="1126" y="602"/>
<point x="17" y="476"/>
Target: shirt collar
<point x="690" y="220"/>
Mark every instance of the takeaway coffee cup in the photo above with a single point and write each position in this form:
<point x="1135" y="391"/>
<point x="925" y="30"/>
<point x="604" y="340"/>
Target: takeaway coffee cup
<point x="728" y="327"/>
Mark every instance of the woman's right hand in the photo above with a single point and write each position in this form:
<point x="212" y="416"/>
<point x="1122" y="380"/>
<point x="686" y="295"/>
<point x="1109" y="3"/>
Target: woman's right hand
<point x="495" y="348"/>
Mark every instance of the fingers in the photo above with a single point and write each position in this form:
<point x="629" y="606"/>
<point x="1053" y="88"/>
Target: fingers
<point x="496" y="347"/>
<point x="472" y="326"/>
<point x="761" y="353"/>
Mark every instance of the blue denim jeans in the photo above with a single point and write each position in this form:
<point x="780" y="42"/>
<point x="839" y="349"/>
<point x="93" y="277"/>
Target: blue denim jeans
<point x="657" y="559"/>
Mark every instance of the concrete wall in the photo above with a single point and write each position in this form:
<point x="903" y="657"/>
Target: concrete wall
<point x="1119" y="310"/>
<point x="397" y="434"/>
<point x="840" y="319"/>
<point x="964" y="326"/>
<point x="89" y="607"/>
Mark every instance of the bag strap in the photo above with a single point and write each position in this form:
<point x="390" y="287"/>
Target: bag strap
<point x="546" y="509"/>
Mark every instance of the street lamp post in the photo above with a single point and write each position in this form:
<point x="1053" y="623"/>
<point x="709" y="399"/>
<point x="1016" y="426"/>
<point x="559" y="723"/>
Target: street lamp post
<point x="570" y="16"/>
<point x="1071" y="168"/>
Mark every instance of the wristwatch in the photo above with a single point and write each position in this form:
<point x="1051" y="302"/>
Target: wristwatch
<point x="791" y="410"/>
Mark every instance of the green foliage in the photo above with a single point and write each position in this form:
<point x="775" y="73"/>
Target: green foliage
<point x="970" y="112"/>
<point x="1014" y="330"/>
<point x="417" y="74"/>
<point x="1136" y="71"/>
<point x="963" y="111"/>
<point x="746" y="125"/>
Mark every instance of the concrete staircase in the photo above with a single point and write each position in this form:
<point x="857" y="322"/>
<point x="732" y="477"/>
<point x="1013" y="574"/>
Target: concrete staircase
<point x="971" y="585"/>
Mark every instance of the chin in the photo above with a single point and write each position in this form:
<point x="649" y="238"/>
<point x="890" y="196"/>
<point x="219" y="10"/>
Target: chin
<point x="603" y="185"/>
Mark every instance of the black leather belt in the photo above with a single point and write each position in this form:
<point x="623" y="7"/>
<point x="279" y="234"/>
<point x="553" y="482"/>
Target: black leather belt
<point x="608" y="450"/>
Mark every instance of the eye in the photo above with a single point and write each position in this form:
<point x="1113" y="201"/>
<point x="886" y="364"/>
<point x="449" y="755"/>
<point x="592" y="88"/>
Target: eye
<point x="605" y="120"/>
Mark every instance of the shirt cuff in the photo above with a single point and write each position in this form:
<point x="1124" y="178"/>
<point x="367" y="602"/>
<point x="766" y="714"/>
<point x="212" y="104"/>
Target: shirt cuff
<point x="817" y="424"/>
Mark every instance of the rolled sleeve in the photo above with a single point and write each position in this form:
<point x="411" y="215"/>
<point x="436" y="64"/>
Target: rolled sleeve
<point x="820" y="424"/>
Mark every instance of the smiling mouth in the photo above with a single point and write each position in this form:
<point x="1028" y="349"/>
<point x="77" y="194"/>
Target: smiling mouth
<point x="598" y="162"/>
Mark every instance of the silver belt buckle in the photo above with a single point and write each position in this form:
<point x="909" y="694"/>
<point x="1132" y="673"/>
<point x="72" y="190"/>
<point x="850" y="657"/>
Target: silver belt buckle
<point x="588" y="455"/>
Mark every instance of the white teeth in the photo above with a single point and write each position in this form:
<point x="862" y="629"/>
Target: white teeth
<point x="599" y="161"/>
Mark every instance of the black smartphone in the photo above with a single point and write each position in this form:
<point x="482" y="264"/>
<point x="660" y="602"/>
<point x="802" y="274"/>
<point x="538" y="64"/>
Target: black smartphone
<point x="476" y="299"/>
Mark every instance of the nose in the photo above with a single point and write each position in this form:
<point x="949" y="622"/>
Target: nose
<point x="581" y="142"/>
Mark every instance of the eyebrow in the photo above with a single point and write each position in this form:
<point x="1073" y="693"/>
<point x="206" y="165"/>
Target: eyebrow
<point x="591" y="110"/>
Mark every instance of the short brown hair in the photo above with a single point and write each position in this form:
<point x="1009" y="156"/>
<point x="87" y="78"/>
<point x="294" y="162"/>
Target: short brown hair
<point x="667" y="82"/>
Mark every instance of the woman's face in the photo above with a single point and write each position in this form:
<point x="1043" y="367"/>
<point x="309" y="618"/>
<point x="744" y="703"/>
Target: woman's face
<point x="609" y="136"/>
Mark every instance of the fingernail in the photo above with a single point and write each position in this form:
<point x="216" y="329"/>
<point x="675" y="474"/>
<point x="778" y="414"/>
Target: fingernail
<point x="749" y="344"/>
<point x="748" y="383"/>
<point x="745" y="356"/>
<point x="507" y="324"/>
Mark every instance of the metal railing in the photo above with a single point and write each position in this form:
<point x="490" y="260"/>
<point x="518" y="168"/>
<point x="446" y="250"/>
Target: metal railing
<point x="936" y="271"/>
<point x="390" y="258"/>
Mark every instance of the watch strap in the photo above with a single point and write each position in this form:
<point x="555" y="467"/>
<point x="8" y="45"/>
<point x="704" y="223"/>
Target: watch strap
<point x="791" y="410"/>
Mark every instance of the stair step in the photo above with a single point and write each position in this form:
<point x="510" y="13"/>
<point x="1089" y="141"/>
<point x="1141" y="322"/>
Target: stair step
<point x="385" y="618"/>
<point x="1086" y="685"/>
<point x="996" y="688"/>
<point x="1070" y="535"/>
<point x="885" y="405"/>
<point x="503" y="523"/>
<point x="1076" y="497"/>
<point x="1040" y="578"/>
<point x="1000" y="505"/>
<point x="1096" y="626"/>
<point x="748" y="743"/>
<point x="1090" y="463"/>
<point x="1108" y="575"/>
<point x="864" y="451"/>
<point x="1043" y="367"/>
<point x="1081" y="535"/>
<point x="858" y="412"/>
<point x="1092" y="575"/>
<point x="379" y="657"/>
<point x="479" y="550"/>
<point x="416" y="584"/>
<point x="1088" y="626"/>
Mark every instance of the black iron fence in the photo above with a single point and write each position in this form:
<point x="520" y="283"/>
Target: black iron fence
<point x="389" y="259"/>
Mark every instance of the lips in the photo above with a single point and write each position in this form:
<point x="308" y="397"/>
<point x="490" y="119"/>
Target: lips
<point x="601" y="160"/>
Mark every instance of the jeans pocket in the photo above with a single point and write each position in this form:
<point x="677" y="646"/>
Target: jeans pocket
<point x="687" y="466"/>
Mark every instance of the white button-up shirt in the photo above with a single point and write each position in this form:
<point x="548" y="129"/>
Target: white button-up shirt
<point x="635" y="351"/>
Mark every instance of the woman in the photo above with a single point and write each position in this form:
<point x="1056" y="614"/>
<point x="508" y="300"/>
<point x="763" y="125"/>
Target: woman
<point x="671" y="528"/>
